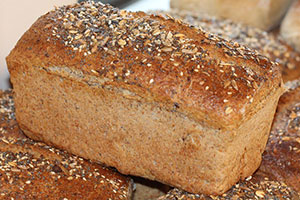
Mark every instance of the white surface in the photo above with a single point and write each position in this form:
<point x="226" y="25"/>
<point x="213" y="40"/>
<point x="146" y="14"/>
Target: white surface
<point x="16" y="16"/>
<point x="145" y="5"/>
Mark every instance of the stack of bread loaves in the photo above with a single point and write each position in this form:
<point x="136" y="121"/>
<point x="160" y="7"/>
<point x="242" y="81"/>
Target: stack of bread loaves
<point x="113" y="86"/>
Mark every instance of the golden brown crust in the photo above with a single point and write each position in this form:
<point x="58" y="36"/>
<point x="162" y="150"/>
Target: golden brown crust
<point x="281" y="159"/>
<point x="270" y="45"/>
<point x="158" y="59"/>
<point x="33" y="170"/>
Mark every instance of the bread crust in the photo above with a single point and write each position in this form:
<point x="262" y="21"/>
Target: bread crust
<point x="267" y="44"/>
<point x="282" y="155"/>
<point x="255" y="188"/>
<point x="278" y="175"/>
<point x="224" y="68"/>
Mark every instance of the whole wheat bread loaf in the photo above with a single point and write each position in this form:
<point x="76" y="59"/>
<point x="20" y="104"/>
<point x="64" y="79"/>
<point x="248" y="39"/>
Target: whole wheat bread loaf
<point x="148" y="95"/>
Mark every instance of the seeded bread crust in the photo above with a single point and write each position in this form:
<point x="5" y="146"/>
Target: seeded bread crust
<point x="114" y="86"/>
<point x="183" y="68"/>
<point x="268" y="44"/>
<point x="281" y="159"/>
<point x="33" y="170"/>
<point x="256" y="188"/>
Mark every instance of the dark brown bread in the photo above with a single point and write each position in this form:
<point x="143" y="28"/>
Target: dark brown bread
<point x="268" y="44"/>
<point x="33" y="170"/>
<point x="114" y="86"/>
<point x="278" y="176"/>
<point x="281" y="159"/>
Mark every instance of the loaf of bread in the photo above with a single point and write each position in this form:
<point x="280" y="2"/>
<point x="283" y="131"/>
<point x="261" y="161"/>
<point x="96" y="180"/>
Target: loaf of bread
<point x="265" y="43"/>
<point x="263" y="14"/>
<point x="150" y="96"/>
<point x="290" y="26"/>
<point x="278" y="176"/>
<point x="33" y="170"/>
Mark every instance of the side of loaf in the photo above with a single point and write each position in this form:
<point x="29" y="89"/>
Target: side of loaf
<point x="150" y="96"/>
<point x="33" y="170"/>
<point x="256" y="13"/>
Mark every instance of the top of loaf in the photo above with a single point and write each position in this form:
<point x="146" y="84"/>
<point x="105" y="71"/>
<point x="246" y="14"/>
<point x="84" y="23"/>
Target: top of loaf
<point x="156" y="59"/>
<point x="267" y="44"/>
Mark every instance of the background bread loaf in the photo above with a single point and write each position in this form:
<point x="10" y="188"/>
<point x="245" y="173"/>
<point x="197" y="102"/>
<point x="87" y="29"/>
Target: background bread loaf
<point x="290" y="27"/>
<point x="263" y="14"/>
<point x="281" y="159"/>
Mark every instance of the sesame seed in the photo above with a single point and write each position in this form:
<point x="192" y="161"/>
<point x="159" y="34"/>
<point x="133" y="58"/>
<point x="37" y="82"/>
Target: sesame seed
<point x="228" y="110"/>
<point x="122" y="42"/>
<point x="151" y="81"/>
<point x="234" y="85"/>
<point x="260" y="193"/>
